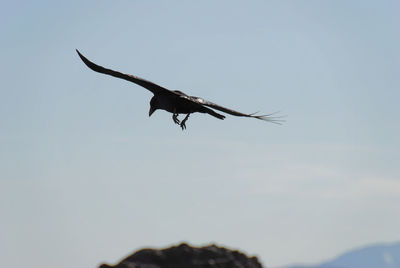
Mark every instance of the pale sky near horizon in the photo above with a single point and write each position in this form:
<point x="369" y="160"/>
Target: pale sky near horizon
<point x="87" y="177"/>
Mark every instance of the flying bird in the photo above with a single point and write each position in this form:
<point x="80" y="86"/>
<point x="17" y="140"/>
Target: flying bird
<point x="176" y="102"/>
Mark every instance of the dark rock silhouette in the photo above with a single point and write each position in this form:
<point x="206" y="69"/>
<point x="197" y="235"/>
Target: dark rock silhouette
<point x="185" y="256"/>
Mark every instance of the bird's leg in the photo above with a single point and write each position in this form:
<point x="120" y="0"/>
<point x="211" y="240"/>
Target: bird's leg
<point x="183" y="125"/>
<point x="175" y="118"/>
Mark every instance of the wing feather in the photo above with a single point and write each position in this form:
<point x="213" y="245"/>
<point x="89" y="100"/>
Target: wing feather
<point x="267" y="117"/>
<point x="134" y="79"/>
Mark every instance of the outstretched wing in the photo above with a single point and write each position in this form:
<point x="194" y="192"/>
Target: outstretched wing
<point x="135" y="79"/>
<point x="267" y="117"/>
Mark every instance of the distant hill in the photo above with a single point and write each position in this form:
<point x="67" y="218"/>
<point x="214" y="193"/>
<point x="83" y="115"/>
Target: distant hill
<point x="375" y="256"/>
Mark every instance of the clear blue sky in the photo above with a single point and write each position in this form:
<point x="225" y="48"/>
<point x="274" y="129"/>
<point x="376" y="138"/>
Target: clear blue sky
<point x="87" y="177"/>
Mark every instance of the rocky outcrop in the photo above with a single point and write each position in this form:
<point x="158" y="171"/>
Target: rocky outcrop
<point x="185" y="256"/>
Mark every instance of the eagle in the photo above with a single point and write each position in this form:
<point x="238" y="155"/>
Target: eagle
<point x="175" y="101"/>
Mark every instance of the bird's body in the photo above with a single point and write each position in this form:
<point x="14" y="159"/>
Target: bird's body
<point x="181" y="103"/>
<point x="174" y="101"/>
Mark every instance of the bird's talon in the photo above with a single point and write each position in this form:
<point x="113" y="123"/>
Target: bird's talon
<point x="175" y="118"/>
<point x="183" y="123"/>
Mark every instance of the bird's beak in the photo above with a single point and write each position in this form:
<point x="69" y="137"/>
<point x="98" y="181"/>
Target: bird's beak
<point x="151" y="111"/>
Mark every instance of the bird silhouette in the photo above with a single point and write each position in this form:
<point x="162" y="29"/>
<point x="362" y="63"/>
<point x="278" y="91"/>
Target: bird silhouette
<point x="177" y="102"/>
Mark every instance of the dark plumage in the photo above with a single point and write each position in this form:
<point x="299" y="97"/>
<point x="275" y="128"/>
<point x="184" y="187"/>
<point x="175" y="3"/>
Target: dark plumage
<point x="174" y="101"/>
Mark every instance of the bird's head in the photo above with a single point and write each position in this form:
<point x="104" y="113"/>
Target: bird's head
<point x="153" y="105"/>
